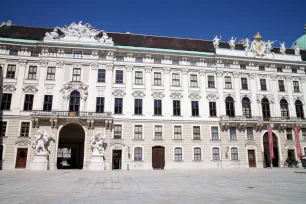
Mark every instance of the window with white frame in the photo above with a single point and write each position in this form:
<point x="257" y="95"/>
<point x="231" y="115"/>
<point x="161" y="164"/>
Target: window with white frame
<point x="157" y="79"/>
<point x="234" y="153"/>
<point x="289" y="133"/>
<point x="76" y="75"/>
<point x="77" y="55"/>
<point x="215" y="154"/>
<point x="177" y="132"/>
<point x="11" y="71"/>
<point x="196" y="133"/>
<point x="193" y="80"/>
<point x="244" y="83"/>
<point x="32" y="72"/>
<point x="228" y="82"/>
<point x="296" y="87"/>
<point x="250" y="133"/>
<point x="211" y="81"/>
<point x="263" y="84"/>
<point x="25" y="129"/>
<point x="52" y="54"/>
<point x="233" y="133"/>
<point x="138" y="59"/>
<point x="137" y="154"/>
<point x="178" y="154"/>
<point x="214" y="133"/>
<point x="197" y="154"/>
<point x="138" y="132"/>
<point x="138" y="77"/>
<point x="51" y="73"/>
<point x="3" y="126"/>
<point x="117" y="131"/>
<point x="158" y="132"/>
<point x="281" y="85"/>
<point x="175" y="79"/>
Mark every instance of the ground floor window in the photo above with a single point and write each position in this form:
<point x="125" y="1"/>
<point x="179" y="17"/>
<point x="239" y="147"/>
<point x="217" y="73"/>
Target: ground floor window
<point x="178" y="154"/>
<point x="197" y="154"/>
<point x="138" y="154"/>
<point x="215" y="153"/>
<point x="234" y="153"/>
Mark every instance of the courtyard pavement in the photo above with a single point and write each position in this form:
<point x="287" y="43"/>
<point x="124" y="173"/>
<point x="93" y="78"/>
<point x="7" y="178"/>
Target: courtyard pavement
<point x="154" y="186"/>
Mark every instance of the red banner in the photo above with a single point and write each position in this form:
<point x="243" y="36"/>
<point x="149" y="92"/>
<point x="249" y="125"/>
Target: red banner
<point x="271" y="142"/>
<point x="297" y="141"/>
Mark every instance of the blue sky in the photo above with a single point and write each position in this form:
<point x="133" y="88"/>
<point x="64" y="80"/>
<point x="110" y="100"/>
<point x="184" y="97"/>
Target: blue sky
<point x="281" y="20"/>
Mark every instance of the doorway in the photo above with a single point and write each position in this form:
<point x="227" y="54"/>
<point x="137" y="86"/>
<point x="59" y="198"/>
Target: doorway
<point x="158" y="157"/>
<point x="291" y="158"/>
<point x="21" y="158"/>
<point x="252" y="158"/>
<point x="117" y="159"/>
<point x="275" y="161"/>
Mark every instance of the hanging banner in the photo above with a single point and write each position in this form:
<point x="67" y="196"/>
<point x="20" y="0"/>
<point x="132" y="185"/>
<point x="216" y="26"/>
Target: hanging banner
<point x="297" y="141"/>
<point x="271" y="142"/>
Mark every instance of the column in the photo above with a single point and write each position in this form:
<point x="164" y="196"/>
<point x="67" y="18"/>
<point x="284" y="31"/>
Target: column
<point x="238" y="105"/>
<point x="147" y="102"/>
<point x="255" y="106"/>
<point x="39" y="97"/>
<point x="108" y="101"/>
<point x="291" y="105"/>
<point x="221" y="94"/>
<point x="167" y="101"/>
<point x="274" y="90"/>
<point x="128" y="101"/>
<point x="185" y="102"/>
<point x="59" y="102"/>
<point x="92" y="89"/>
<point x="204" y="110"/>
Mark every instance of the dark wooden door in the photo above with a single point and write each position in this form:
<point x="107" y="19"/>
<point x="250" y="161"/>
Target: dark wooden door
<point x="117" y="159"/>
<point x="252" y="158"/>
<point x="21" y="158"/>
<point x="158" y="157"/>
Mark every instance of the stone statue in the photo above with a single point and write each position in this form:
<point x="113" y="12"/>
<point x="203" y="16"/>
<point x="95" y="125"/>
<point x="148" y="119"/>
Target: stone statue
<point x="246" y="44"/>
<point x="232" y="43"/>
<point x="216" y="41"/>
<point x="52" y="35"/>
<point x="282" y="48"/>
<point x="296" y="49"/>
<point x="42" y="140"/>
<point x="269" y="46"/>
<point x="98" y="145"/>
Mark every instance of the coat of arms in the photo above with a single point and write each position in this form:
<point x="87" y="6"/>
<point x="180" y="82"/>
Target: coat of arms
<point x="258" y="46"/>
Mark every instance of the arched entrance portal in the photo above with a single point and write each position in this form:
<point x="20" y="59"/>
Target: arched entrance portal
<point x="158" y="157"/>
<point x="70" y="153"/>
<point x="275" y="161"/>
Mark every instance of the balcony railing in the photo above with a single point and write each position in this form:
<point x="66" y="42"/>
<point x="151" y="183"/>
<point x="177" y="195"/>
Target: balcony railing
<point x="241" y="118"/>
<point x="286" y="119"/>
<point x="70" y="114"/>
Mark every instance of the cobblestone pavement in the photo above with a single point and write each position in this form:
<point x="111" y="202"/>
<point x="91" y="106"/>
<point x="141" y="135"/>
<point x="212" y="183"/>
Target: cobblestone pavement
<point x="168" y="186"/>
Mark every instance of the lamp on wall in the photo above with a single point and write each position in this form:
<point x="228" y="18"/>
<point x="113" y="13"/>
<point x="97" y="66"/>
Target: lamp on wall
<point x="129" y="155"/>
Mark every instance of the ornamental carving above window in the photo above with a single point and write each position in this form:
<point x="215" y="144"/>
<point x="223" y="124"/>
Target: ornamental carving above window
<point x="8" y="88"/>
<point x="29" y="89"/>
<point x="75" y="86"/>
<point x="119" y="92"/>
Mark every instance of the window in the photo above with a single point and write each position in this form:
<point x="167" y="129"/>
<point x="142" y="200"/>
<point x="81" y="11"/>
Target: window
<point x="229" y="106"/>
<point x="244" y="83"/>
<point x="211" y="82"/>
<point x="195" y="108"/>
<point x="1" y="152"/>
<point x="246" y="107"/>
<point x="138" y="154"/>
<point x="118" y="105"/>
<point x="234" y="153"/>
<point x="74" y="103"/>
<point x="34" y="54"/>
<point x="296" y="87"/>
<point x="138" y="132"/>
<point x="261" y="68"/>
<point x="119" y="76"/>
<point x="157" y="61"/>
<point x="158" y="132"/>
<point x="51" y="73"/>
<point x="178" y="154"/>
<point x="210" y="64"/>
<point x="284" y="108"/>
<point x="233" y="133"/>
<point x="212" y="109"/>
<point x="176" y="62"/>
<point x="76" y="76"/>
<point x="102" y="56"/>
<point x="299" y="109"/>
<point x="197" y="154"/>
<point x="77" y="55"/>
<point x="28" y="102"/>
<point x="294" y="70"/>
<point x="193" y="63"/>
<point x="227" y="65"/>
<point x="101" y="75"/>
<point x="214" y="133"/>
<point x="100" y="105"/>
<point x="196" y="133"/>
<point x="279" y="69"/>
<point x="6" y="101"/>
<point x="157" y="107"/>
<point x="250" y="133"/>
<point x="175" y="79"/>
<point x="228" y="82"/>
<point x="32" y="72"/>
<point x="138" y="77"/>
<point x="176" y="108"/>
<point x="3" y="129"/>
<point x="177" y="132"/>
<point x="157" y="79"/>
<point x="117" y="131"/>
<point x="13" y="52"/>
<point x="138" y="59"/>
<point x="242" y="66"/>
<point x="303" y="134"/>
<point x="281" y="85"/>
<point x="215" y="153"/>
<point x="263" y="84"/>
<point x="289" y="134"/>
<point x="52" y="54"/>
<point x="48" y="102"/>
<point x="120" y="58"/>
<point x="25" y="129"/>
<point x="193" y="80"/>
<point x="265" y="108"/>
<point x="11" y="70"/>
<point x="138" y="107"/>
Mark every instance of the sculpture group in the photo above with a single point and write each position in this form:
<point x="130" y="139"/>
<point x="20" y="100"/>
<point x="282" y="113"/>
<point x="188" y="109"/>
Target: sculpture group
<point x="42" y="140"/>
<point x="98" y="145"/>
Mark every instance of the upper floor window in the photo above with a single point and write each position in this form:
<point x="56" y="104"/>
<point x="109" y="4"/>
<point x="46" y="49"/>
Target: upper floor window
<point x="261" y="68"/>
<point x="6" y="101"/>
<point x="34" y="54"/>
<point x="211" y="82"/>
<point x="74" y="102"/>
<point x="242" y="66"/>
<point x="138" y="59"/>
<point x="296" y="87"/>
<point x="120" y="58"/>
<point x="193" y="63"/>
<point x="215" y="153"/>
<point x="176" y="108"/>
<point x="234" y="153"/>
<point x="265" y="108"/>
<point x="175" y="79"/>
<point x="279" y="69"/>
<point x="51" y="73"/>
<point x="246" y="107"/>
<point x="281" y="85"/>
<point x="13" y="52"/>
<point x="11" y="71"/>
<point x="100" y="105"/>
<point x="76" y="75"/>
<point x="157" y="79"/>
<point x="32" y="72"/>
<point x="299" y="109"/>
<point x="177" y="132"/>
<point x="250" y="133"/>
<point x="178" y="154"/>
<point x="175" y="62"/>
<point x="197" y="154"/>
<point x="28" y="102"/>
<point x="158" y="132"/>
<point x="138" y="77"/>
<point x="138" y="154"/>
<point x="233" y="133"/>
<point x="289" y="134"/>
<point x="214" y="133"/>
<point x="228" y="82"/>
<point x="263" y="84"/>
<point x="117" y="131"/>
<point x="244" y="83"/>
<point x="118" y="105"/>
<point x="284" y="108"/>
<point x="193" y="80"/>
<point x="119" y="76"/>
<point x="138" y="132"/>
<point x="52" y="54"/>
<point x="138" y="107"/>
<point x="195" y="108"/>
<point x="227" y="65"/>
<point x="212" y="109"/>
<point x="48" y="102"/>
<point x="25" y="129"/>
<point x="210" y="64"/>
<point x="157" y="61"/>
<point x="77" y="55"/>
<point x="294" y="70"/>
<point x="3" y="126"/>
<point x="196" y="133"/>
<point x="101" y="75"/>
<point x="157" y="107"/>
<point x="230" y="107"/>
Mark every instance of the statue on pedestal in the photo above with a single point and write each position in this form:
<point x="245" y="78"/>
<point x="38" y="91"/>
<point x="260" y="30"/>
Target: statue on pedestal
<point x="42" y="141"/>
<point x="296" y="49"/>
<point x="232" y="42"/>
<point x="282" y="48"/>
<point x="98" y="145"/>
<point x="216" y="41"/>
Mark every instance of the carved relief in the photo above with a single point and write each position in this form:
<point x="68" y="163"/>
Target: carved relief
<point x="59" y="64"/>
<point x="166" y="70"/>
<point x="212" y="97"/>
<point x="29" y="89"/>
<point x="229" y="95"/>
<point x="252" y="76"/>
<point x="129" y="68"/>
<point x="176" y="96"/>
<point x="236" y="74"/>
<point x="283" y="97"/>
<point x="119" y="92"/>
<point x="298" y="98"/>
<point x="74" y="86"/>
<point x="22" y="63"/>
<point x="158" y="95"/>
<point x="23" y="143"/>
<point x="94" y="65"/>
<point x="148" y="69"/>
<point x="269" y="97"/>
<point x="109" y="67"/>
<point x="219" y="73"/>
<point x="43" y="63"/>
<point x="288" y="78"/>
<point x="202" y="72"/>
<point x="138" y="94"/>
<point x="246" y="95"/>
<point x="8" y="88"/>
<point x="184" y="71"/>
<point x="194" y="96"/>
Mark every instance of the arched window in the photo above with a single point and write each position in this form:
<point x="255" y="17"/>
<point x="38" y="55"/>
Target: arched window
<point x="74" y="104"/>
<point x="284" y="108"/>
<point x="197" y="154"/>
<point x="265" y="105"/>
<point x="299" y="109"/>
<point x="230" y="107"/>
<point x="246" y="107"/>
<point x="234" y="153"/>
<point x="178" y="154"/>
<point x="215" y="153"/>
<point x="138" y="154"/>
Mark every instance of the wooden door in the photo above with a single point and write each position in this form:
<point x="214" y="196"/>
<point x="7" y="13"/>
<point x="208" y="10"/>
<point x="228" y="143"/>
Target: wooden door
<point x="117" y="159"/>
<point x="158" y="157"/>
<point x="252" y="158"/>
<point x="21" y="158"/>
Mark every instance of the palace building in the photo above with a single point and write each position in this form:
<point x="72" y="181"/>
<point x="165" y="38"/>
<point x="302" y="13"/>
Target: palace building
<point x="158" y="102"/>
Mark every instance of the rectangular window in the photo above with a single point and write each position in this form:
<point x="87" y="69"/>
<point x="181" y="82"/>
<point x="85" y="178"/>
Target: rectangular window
<point x="214" y="133"/>
<point x="34" y="54"/>
<point x="48" y="102"/>
<point x="242" y="66"/>
<point x="119" y="76"/>
<point x="250" y="133"/>
<point x="211" y="82"/>
<point x="215" y="154"/>
<point x="51" y="73"/>
<point x="157" y="107"/>
<point x="178" y="154"/>
<point x="3" y="129"/>
<point x="157" y="61"/>
<point x="138" y="132"/>
<point x="281" y="85"/>
<point x="244" y="83"/>
<point x="294" y="70"/>
<point x="13" y="52"/>
<point x="6" y="101"/>
<point x="138" y="77"/>
<point x="289" y="134"/>
<point x="11" y="71"/>
<point x="100" y="105"/>
<point x="118" y="105"/>
<point x="176" y="108"/>
<point x="77" y="55"/>
<point x="157" y="79"/>
<point x="25" y="129"/>
<point x="32" y="72"/>
<point x="117" y="131"/>
<point x="158" y="132"/>
<point x="120" y="58"/>
<point x="234" y="153"/>
<point x="138" y="59"/>
<point x="101" y="75"/>
<point x="279" y="69"/>
<point x="227" y="65"/>
<point x="233" y="133"/>
<point x="197" y="154"/>
<point x="193" y="80"/>
<point x="303" y="134"/>
<point x="177" y="132"/>
<point x="175" y="62"/>
<point x="52" y="54"/>
<point x="210" y="64"/>
<point x="28" y="102"/>
<point x="296" y="87"/>
<point x="193" y="63"/>
<point x="76" y="75"/>
<point x="195" y="108"/>
<point x="138" y="154"/>
<point x="263" y="84"/>
<point x="212" y="109"/>
<point x="138" y="107"/>
<point x="228" y="82"/>
<point x="175" y="79"/>
<point x="261" y="68"/>
<point x="196" y="133"/>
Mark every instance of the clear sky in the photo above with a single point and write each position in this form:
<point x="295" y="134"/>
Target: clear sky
<point x="281" y="20"/>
